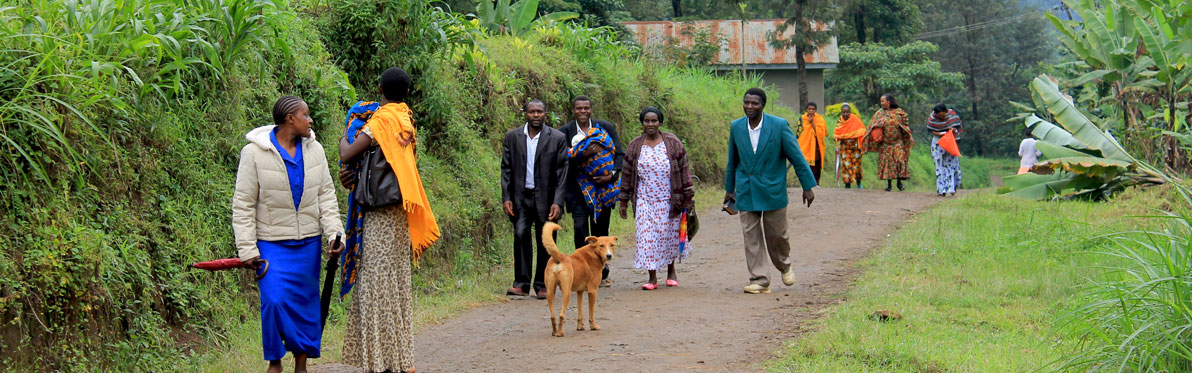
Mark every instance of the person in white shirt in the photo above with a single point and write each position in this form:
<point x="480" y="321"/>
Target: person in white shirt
<point x="1029" y="153"/>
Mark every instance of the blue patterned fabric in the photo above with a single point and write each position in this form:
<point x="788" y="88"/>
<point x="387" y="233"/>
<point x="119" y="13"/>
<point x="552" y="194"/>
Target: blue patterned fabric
<point x="358" y="116"/>
<point x="599" y="197"/>
<point x="947" y="168"/>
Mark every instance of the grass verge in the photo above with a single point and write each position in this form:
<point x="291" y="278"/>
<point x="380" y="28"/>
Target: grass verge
<point x="979" y="282"/>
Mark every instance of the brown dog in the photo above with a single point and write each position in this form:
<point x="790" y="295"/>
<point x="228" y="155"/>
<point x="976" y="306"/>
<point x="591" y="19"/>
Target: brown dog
<point x="578" y="272"/>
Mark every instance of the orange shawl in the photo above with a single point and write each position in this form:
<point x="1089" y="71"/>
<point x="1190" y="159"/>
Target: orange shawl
<point x="812" y="136"/>
<point x="391" y="123"/>
<point x="850" y="128"/>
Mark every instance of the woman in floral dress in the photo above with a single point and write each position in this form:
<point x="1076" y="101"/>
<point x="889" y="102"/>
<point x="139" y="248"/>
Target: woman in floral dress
<point x="656" y="177"/>
<point x="893" y="144"/>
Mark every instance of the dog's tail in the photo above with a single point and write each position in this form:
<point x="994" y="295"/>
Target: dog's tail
<point x="548" y="240"/>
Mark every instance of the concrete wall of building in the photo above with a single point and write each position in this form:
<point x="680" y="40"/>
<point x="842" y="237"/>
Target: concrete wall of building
<point x="787" y="82"/>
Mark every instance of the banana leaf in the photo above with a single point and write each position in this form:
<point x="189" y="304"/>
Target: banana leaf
<point x="1079" y="126"/>
<point x="1051" y="133"/>
<point x="1035" y="186"/>
<point x="1052" y="151"/>
<point x="1090" y="166"/>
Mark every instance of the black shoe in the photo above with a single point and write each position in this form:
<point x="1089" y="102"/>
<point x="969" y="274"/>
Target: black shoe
<point x="887" y="188"/>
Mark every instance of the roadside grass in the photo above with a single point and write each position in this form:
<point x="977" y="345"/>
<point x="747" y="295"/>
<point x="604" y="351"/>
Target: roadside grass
<point x="980" y="281"/>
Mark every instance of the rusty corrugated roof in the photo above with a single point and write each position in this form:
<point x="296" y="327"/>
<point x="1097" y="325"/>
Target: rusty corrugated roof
<point x="757" y="50"/>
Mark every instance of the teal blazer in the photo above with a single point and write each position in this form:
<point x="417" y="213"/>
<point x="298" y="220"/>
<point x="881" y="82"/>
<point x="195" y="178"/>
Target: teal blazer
<point x="759" y="179"/>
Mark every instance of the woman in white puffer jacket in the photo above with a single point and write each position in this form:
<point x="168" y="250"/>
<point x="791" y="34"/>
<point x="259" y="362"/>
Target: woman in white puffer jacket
<point x="284" y="201"/>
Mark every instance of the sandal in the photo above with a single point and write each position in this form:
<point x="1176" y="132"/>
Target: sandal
<point x="672" y="282"/>
<point x="649" y="286"/>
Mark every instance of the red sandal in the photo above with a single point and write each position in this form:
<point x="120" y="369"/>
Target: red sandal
<point x="672" y="282"/>
<point x="649" y="286"/>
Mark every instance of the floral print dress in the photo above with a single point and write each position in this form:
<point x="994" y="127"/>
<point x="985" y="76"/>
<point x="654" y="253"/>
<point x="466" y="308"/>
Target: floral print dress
<point x="895" y="148"/>
<point x="657" y="231"/>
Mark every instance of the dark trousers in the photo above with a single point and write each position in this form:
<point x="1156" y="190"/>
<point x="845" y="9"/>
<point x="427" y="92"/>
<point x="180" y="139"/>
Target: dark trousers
<point x="586" y="224"/>
<point x="527" y="223"/>
<point x="819" y="165"/>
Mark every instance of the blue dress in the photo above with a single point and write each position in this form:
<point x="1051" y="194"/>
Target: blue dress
<point x="290" y="314"/>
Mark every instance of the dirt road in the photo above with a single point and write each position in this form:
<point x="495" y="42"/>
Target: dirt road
<point x="707" y="323"/>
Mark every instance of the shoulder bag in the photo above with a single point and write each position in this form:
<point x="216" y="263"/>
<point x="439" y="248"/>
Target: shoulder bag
<point x="376" y="183"/>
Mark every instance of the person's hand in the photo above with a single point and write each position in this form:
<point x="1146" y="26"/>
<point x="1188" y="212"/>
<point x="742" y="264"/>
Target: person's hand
<point x="808" y="196"/>
<point x="624" y="210"/>
<point x="603" y="179"/>
<point x="556" y="212"/>
<point x="508" y="205"/>
<point x="347" y="178"/>
<point x="255" y="263"/>
<point x="592" y="150"/>
<point x="729" y="197"/>
<point x="337" y="247"/>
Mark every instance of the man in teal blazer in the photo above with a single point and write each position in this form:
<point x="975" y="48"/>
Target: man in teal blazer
<point x="759" y="147"/>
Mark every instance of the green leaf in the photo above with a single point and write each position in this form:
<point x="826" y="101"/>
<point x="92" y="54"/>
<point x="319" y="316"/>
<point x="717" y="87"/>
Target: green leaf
<point x="1048" y="132"/>
<point x="1082" y="129"/>
<point x="559" y="16"/>
<point x="1052" y="151"/>
<point x="523" y="14"/>
<point x="1089" y="166"/>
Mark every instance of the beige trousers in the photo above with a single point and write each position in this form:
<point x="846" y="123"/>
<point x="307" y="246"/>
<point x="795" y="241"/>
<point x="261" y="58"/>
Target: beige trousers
<point x="765" y="234"/>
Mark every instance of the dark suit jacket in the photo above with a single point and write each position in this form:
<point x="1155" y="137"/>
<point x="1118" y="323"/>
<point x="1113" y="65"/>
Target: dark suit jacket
<point x="549" y="172"/>
<point x="569" y="130"/>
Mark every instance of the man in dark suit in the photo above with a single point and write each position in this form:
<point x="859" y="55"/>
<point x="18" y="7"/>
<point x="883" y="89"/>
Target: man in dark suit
<point x="533" y="169"/>
<point x="581" y="214"/>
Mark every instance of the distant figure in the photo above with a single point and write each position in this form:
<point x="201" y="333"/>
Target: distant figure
<point x="533" y="170"/>
<point x="890" y="137"/>
<point x="1029" y="153"/>
<point x="380" y="331"/>
<point x="947" y="166"/>
<point x="850" y="141"/>
<point x="657" y="179"/>
<point x="759" y="148"/>
<point x="812" y="131"/>
<point x="283" y="204"/>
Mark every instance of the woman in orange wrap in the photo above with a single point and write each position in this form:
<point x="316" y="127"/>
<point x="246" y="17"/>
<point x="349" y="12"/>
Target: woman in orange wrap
<point x="380" y="327"/>
<point x="850" y="139"/>
<point x="812" y="130"/>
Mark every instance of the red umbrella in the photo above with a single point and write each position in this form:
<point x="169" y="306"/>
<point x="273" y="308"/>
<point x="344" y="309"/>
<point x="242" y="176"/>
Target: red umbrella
<point x="231" y="263"/>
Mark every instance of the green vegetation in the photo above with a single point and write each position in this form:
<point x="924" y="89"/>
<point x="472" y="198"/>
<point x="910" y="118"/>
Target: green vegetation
<point x="982" y="280"/>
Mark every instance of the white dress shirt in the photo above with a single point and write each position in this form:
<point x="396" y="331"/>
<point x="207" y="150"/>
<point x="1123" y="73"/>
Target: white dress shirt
<point x="531" y="148"/>
<point x="754" y="133"/>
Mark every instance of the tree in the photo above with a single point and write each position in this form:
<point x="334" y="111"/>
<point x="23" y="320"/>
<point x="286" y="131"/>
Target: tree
<point x="893" y="22"/>
<point x="809" y="19"/>
<point x="867" y="71"/>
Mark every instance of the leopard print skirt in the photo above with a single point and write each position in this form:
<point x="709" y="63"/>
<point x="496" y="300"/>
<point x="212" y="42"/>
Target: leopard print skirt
<point x="380" y="326"/>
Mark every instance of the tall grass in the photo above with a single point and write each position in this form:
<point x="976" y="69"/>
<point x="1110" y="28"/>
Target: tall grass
<point x="1138" y="315"/>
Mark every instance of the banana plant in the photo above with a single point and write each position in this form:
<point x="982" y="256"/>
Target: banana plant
<point x="514" y="19"/>
<point x="1079" y="158"/>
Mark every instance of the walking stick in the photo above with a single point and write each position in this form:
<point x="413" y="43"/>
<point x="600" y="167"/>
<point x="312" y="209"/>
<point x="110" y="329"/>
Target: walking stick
<point x="329" y="283"/>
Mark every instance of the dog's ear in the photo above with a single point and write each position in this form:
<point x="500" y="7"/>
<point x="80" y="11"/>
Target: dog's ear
<point x="591" y="239"/>
<point x="614" y="238"/>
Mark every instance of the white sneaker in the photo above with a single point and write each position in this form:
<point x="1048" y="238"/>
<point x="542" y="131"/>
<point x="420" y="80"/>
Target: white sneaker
<point x="757" y="289"/>
<point x="788" y="277"/>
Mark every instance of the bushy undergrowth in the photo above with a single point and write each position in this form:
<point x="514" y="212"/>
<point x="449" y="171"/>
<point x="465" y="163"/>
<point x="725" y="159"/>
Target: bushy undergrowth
<point x="136" y="112"/>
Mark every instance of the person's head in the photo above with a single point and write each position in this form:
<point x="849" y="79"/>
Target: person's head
<point x="1027" y="133"/>
<point x="888" y="102"/>
<point x="811" y="108"/>
<point x="940" y="111"/>
<point x="754" y="103"/>
<point x="395" y="84"/>
<point x="535" y="111"/>
<point x="581" y="106"/>
<point x="651" y="119"/>
<point x="846" y="110"/>
<point x="292" y="114"/>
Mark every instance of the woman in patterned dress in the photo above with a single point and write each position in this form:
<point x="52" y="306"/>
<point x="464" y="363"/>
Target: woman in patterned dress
<point x="380" y="328"/>
<point x="657" y="178"/>
<point x="894" y="147"/>
<point x="849" y="135"/>
<point x="947" y="167"/>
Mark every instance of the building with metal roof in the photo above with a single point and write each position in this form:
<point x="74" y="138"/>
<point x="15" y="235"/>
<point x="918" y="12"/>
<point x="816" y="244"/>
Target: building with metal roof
<point x="777" y="66"/>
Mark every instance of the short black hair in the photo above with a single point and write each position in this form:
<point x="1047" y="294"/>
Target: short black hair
<point x="649" y="109"/>
<point x="890" y="99"/>
<point x="580" y="98"/>
<point x="810" y="104"/>
<point x="756" y="92"/>
<point x="531" y="101"/>
<point x="285" y="106"/>
<point x="395" y="84"/>
<point x="940" y="108"/>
